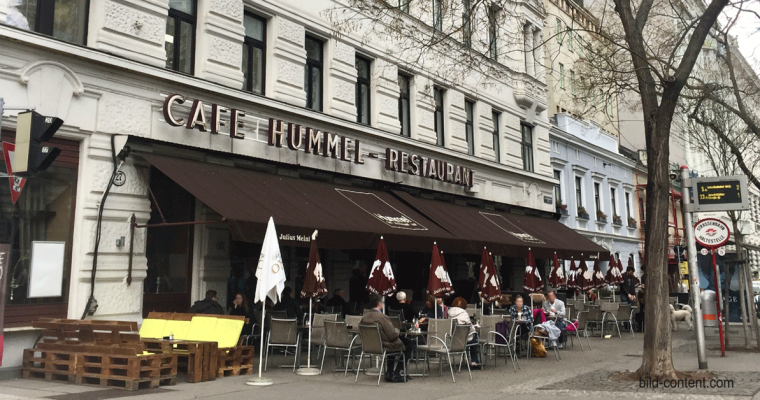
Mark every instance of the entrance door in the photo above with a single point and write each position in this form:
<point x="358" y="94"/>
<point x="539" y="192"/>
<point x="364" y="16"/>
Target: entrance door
<point x="169" y="249"/>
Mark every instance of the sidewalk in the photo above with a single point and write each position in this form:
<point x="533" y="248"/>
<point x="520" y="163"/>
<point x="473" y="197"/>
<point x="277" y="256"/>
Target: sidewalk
<point x="580" y="375"/>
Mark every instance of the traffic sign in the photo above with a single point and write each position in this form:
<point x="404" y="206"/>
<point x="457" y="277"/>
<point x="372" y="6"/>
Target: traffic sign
<point x="704" y="252"/>
<point x="724" y="193"/>
<point x="711" y="233"/>
<point x="722" y="251"/>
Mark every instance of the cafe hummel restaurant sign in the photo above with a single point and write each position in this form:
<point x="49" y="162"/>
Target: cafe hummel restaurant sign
<point x="724" y="193"/>
<point x="313" y="141"/>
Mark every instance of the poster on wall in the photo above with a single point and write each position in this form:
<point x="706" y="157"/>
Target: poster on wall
<point x="5" y="251"/>
<point x="46" y="272"/>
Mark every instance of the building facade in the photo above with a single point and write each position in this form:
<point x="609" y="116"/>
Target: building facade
<point x="266" y="91"/>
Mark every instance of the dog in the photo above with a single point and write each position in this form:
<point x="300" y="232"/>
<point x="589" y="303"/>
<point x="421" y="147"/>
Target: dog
<point x="683" y="314"/>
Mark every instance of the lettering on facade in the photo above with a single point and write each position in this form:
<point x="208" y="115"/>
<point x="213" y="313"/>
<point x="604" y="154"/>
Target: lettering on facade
<point x="295" y="238"/>
<point x="415" y="164"/>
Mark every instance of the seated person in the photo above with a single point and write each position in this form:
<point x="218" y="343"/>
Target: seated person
<point x="289" y="304"/>
<point x="458" y="312"/>
<point x="392" y="342"/>
<point x="207" y="305"/>
<point x="526" y="314"/>
<point x="554" y="307"/>
<point x="241" y="307"/>
<point x="444" y="307"/>
<point x="430" y="311"/>
<point x="339" y="300"/>
<point x="406" y="307"/>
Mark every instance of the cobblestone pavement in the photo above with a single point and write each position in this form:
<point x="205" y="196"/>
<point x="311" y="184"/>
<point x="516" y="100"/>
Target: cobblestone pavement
<point x="578" y="375"/>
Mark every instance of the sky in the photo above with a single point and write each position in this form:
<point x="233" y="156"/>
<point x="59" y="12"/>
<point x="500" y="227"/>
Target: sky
<point x="747" y="32"/>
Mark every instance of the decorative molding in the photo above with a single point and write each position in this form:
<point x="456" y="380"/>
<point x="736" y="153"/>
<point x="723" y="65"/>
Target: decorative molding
<point x="76" y="84"/>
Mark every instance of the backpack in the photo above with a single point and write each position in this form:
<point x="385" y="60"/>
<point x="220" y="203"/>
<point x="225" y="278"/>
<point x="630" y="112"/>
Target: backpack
<point x="503" y="329"/>
<point x="538" y="348"/>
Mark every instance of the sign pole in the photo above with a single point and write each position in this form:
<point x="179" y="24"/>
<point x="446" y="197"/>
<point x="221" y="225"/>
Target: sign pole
<point x="691" y="252"/>
<point x="717" y="303"/>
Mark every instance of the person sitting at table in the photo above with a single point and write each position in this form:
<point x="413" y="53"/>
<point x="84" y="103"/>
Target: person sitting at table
<point x="525" y="314"/>
<point x="339" y="300"/>
<point x="207" y="305"/>
<point x="406" y="307"/>
<point x="392" y="341"/>
<point x="458" y="312"/>
<point x="554" y="307"/>
<point x="241" y="307"/>
<point x="289" y="304"/>
<point x="430" y="311"/>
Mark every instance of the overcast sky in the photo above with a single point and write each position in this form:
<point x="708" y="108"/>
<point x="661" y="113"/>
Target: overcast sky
<point x="747" y="31"/>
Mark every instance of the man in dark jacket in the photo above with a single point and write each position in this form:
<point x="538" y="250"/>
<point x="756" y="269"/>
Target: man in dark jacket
<point x="392" y="342"/>
<point x="207" y="305"/>
<point x="628" y="288"/>
<point x="290" y="305"/>
<point x="339" y="300"/>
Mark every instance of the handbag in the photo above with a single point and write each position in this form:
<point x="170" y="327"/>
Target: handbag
<point x="502" y="328"/>
<point x="538" y="348"/>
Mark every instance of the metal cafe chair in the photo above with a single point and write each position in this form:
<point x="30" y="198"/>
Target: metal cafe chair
<point x="394" y="313"/>
<point x="487" y="325"/>
<point x="352" y="321"/>
<point x="372" y="345"/>
<point x="438" y="332"/>
<point x="609" y="310"/>
<point x="545" y="340"/>
<point x="594" y="316"/>
<point x="456" y="345"/>
<point x="318" y="329"/>
<point x="624" y="314"/>
<point x="509" y="344"/>
<point x="338" y="339"/>
<point x="283" y="333"/>
<point x="583" y="326"/>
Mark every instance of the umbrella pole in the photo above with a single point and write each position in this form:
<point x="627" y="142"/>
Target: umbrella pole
<point x="308" y="369"/>
<point x="260" y="381"/>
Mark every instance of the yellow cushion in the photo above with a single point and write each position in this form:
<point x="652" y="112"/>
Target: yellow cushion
<point x="152" y="328"/>
<point x="202" y="329"/>
<point x="178" y="328"/>
<point x="228" y="332"/>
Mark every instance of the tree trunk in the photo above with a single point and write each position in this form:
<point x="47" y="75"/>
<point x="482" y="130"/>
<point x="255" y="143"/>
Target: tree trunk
<point x="753" y="312"/>
<point x="739" y="240"/>
<point x="727" y="293"/>
<point x="657" y="361"/>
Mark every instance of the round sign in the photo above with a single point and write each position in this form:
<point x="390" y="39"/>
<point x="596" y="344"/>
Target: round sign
<point x="722" y="251"/>
<point x="704" y="252"/>
<point x="120" y="178"/>
<point x="711" y="233"/>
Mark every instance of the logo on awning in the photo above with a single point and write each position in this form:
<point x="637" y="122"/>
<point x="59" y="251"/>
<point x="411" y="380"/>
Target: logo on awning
<point x="509" y="227"/>
<point x="378" y="208"/>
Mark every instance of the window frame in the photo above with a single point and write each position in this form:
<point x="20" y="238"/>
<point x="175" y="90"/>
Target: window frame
<point x="559" y="30"/>
<point x="44" y="20"/>
<point x="579" y="191"/>
<point x="493" y="34"/>
<point x="628" y="205"/>
<point x="527" y="147"/>
<point x="362" y="81"/>
<point x="181" y="16"/>
<point x="309" y="64"/>
<point x="572" y="82"/>
<point x="440" y="127"/>
<point x="408" y="97"/>
<point x="466" y="23"/>
<point x="613" y="201"/>
<point x="438" y="15"/>
<point x="496" y="120"/>
<point x="469" y="125"/>
<point x="598" y="196"/>
<point x="403" y="5"/>
<point x="252" y="43"/>
<point x="558" y="186"/>
<point x="562" y="76"/>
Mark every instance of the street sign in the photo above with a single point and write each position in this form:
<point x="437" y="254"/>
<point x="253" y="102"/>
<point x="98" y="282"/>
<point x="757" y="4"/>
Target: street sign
<point x="704" y="252"/>
<point x="725" y="193"/>
<point x="722" y="251"/>
<point x="16" y="182"/>
<point x="711" y="233"/>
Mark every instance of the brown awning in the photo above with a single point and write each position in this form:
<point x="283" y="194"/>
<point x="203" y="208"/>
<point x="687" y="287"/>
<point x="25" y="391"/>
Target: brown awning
<point x="346" y="217"/>
<point x="503" y="233"/>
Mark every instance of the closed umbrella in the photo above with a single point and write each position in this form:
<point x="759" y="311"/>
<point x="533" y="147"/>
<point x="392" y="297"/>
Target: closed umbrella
<point x="439" y="284"/>
<point x="597" y="277"/>
<point x="488" y="282"/>
<point x="583" y="277"/>
<point x="557" y="275"/>
<point x="450" y="288"/>
<point x="614" y="274"/>
<point x="313" y="287"/>
<point x="381" y="280"/>
<point x="572" y="277"/>
<point x="532" y="282"/>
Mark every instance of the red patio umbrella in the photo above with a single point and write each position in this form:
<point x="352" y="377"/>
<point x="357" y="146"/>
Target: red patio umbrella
<point x="450" y="289"/>
<point x="381" y="280"/>
<point x="557" y="275"/>
<point x="572" y="276"/>
<point x="439" y="283"/>
<point x="532" y="282"/>
<point x="583" y="278"/>
<point x="597" y="277"/>
<point x="614" y="274"/>
<point x="488" y="282"/>
<point x="313" y="287"/>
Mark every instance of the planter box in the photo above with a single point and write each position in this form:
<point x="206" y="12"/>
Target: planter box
<point x="601" y="220"/>
<point x="632" y="225"/>
<point x="583" y="215"/>
<point x="617" y="222"/>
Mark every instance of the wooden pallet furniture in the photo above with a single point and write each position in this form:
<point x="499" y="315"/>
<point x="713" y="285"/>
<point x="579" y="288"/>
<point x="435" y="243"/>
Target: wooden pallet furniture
<point x="229" y="358"/>
<point x="101" y="353"/>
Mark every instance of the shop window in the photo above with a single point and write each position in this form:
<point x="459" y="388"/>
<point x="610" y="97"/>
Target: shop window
<point x="404" y="107"/>
<point x="527" y="147"/>
<point x="313" y="73"/>
<point x="496" y="118"/>
<point x="180" y="36"/>
<point x="44" y="212"/>
<point x="254" y="53"/>
<point x="469" y="125"/>
<point x="438" y="94"/>
<point x="61" y="19"/>
<point x="363" y="90"/>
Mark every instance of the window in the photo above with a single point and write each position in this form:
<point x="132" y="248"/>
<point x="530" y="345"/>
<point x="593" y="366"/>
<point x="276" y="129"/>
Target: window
<point x="438" y="97"/>
<point x="578" y="191"/>
<point x="496" y="118"/>
<point x="312" y="82"/>
<point x="466" y="23"/>
<point x="609" y="106"/>
<point x="493" y="33"/>
<point x="597" y="197"/>
<point x="254" y="53"/>
<point x="570" y="40"/>
<point x="180" y="36"/>
<point x="403" y="5"/>
<point x="527" y="147"/>
<point x="562" y="76"/>
<point x="403" y="104"/>
<point x="580" y="45"/>
<point x="628" y="205"/>
<point x="438" y="15"/>
<point x="572" y="82"/>
<point x="613" y="201"/>
<point x="559" y="31"/>
<point x="555" y="146"/>
<point x="469" y="126"/>
<point x="362" y="90"/>
<point x="596" y="161"/>
<point x="577" y="154"/>
<point x="558" y="187"/>
<point x="62" y="19"/>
